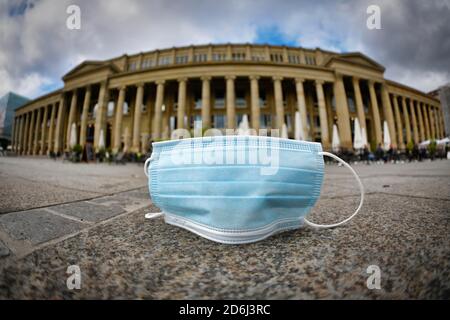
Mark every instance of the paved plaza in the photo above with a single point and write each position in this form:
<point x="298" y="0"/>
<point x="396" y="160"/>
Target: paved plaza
<point x="55" y="214"/>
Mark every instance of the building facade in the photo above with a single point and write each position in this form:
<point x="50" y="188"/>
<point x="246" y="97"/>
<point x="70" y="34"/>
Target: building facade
<point x="125" y="102"/>
<point x="443" y="94"/>
<point x="8" y="104"/>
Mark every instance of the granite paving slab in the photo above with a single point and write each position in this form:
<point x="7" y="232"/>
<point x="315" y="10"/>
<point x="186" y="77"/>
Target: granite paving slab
<point x="87" y="211"/>
<point x="37" y="226"/>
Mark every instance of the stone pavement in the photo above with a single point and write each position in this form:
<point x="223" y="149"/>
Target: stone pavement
<point x="53" y="215"/>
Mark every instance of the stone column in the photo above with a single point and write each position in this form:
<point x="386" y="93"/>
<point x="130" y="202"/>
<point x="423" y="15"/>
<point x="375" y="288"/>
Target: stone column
<point x="342" y="112"/>
<point x="231" y="102"/>
<point x="441" y="117"/>
<point x="398" y="121"/>
<point x="427" y="119"/>
<point x="437" y="120"/>
<point x="26" y="124"/>
<point x="181" y="112"/>
<point x="414" y="121"/>
<point x="421" y="125"/>
<point x="118" y="119"/>
<point x="442" y="124"/>
<point x="137" y="118"/>
<point x="375" y="113"/>
<point x="16" y="133"/>
<point x="388" y="114"/>
<point x="20" y="135"/>
<point x="84" y="115"/>
<point x="406" y="119"/>
<point x="359" y="104"/>
<point x="433" y="123"/>
<point x="158" y="109"/>
<point x="72" y="113"/>
<point x="323" y="115"/>
<point x="206" y="102"/>
<point x="278" y="97"/>
<point x="13" y="133"/>
<point x="51" y="129"/>
<point x="44" y="131"/>
<point x="36" y="131"/>
<point x="301" y="105"/>
<point x="31" y="133"/>
<point x="100" y="117"/>
<point x="255" y="107"/>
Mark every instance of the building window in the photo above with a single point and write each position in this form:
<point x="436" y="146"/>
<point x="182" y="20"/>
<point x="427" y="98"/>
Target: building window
<point x="218" y="56"/>
<point x="132" y="66"/>
<point x="258" y="57"/>
<point x="200" y="57"/>
<point x="238" y="56"/>
<point x="262" y="99"/>
<point x="181" y="59"/>
<point x="240" y="99"/>
<point x="310" y="60"/>
<point x="125" y="108"/>
<point x="219" y="121"/>
<point x="219" y="102"/>
<point x="294" y="59"/>
<point x="147" y="63"/>
<point x="276" y="57"/>
<point x="265" y="121"/>
<point x="351" y="104"/>
<point x="164" y="60"/>
<point x="197" y="101"/>
<point x="143" y="108"/>
<point x="110" y="109"/>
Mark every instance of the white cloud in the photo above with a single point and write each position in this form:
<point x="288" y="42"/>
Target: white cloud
<point x="30" y="85"/>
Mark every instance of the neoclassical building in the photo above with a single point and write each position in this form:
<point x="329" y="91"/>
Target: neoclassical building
<point x="127" y="101"/>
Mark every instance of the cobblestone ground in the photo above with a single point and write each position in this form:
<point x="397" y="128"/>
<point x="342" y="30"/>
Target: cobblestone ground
<point x="54" y="214"/>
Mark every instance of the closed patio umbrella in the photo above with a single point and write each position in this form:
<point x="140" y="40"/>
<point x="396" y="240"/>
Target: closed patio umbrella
<point x="387" y="137"/>
<point x="73" y="135"/>
<point x="335" y="141"/>
<point x="299" y="132"/>
<point x="358" y="142"/>
<point x="244" y="128"/>
<point x="101" y="140"/>
<point x="284" y="132"/>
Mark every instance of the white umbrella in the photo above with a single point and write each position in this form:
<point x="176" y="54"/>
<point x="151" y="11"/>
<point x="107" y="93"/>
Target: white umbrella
<point x="244" y="128"/>
<point x="73" y="135"/>
<point x="101" y="140"/>
<point x="335" y="141"/>
<point x="299" y="132"/>
<point x="443" y="141"/>
<point x="387" y="137"/>
<point x="126" y="144"/>
<point x="424" y="143"/>
<point x="358" y="142"/>
<point x="284" y="131"/>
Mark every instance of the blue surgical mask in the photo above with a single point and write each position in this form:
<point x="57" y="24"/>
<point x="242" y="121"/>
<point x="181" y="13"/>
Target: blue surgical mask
<point x="238" y="189"/>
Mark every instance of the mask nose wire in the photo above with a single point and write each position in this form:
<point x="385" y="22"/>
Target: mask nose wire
<point x="361" y="189"/>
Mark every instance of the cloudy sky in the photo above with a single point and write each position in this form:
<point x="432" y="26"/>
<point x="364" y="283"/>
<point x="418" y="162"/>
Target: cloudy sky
<point x="36" y="47"/>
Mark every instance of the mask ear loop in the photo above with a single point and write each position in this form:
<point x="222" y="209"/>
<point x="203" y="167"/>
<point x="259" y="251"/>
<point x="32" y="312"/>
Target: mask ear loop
<point x="150" y="215"/>
<point x="361" y="189"/>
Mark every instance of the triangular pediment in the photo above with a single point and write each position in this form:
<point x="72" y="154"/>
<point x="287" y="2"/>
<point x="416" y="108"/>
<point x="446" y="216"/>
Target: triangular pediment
<point x="88" y="66"/>
<point x="358" y="59"/>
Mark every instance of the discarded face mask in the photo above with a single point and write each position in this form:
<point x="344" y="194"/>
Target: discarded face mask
<point x="238" y="189"/>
